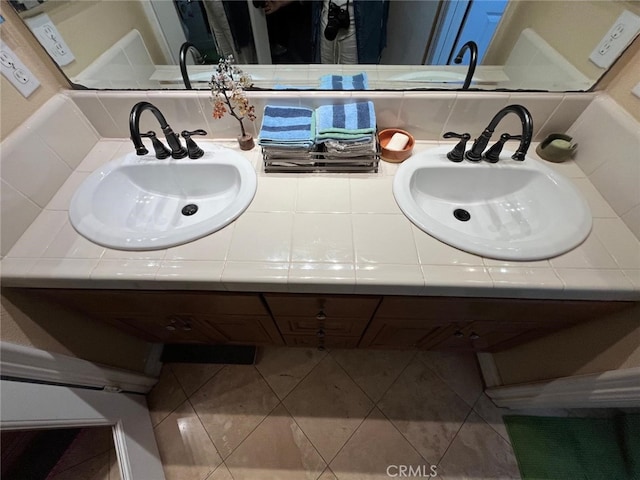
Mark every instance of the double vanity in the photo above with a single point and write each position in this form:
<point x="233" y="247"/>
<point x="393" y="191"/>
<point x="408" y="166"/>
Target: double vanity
<point x="213" y="250"/>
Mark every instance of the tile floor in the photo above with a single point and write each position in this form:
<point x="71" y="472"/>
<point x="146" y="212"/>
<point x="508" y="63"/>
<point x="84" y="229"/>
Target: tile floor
<point x="340" y="415"/>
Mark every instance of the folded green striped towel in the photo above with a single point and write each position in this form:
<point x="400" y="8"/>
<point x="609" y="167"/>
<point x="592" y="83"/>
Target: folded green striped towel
<point x="351" y="121"/>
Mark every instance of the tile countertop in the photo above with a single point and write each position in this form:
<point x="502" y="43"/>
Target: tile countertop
<point x="323" y="233"/>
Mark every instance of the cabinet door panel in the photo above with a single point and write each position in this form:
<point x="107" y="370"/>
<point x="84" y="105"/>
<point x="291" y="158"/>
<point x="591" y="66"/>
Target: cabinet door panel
<point x="332" y="326"/>
<point x="329" y="305"/>
<point x="243" y="329"/>
<point x="168" y="329"/>
<point x="400" y="332"/>
<point x="333" y="341"/>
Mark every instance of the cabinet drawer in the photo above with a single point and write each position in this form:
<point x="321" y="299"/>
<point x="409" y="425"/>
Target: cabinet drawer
<point x="463" y="309"/>
<point x="159" y="302"/>
<point x="330" y="341"/>
<point x="352" y="327"/>
<point x="348" y="306"/>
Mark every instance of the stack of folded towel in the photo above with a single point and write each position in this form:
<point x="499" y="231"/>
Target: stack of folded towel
<point x="344" y="82"/>
<point x="346" y="130"/>
<point x="287" y="128"/>
<point x="332" y="135"/>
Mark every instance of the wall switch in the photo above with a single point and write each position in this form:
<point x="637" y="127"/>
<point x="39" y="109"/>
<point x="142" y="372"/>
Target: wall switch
<point x="50" y="38"/>
<point x="16" y="72"/>
<point x="636" y="90"/>
<point x="619" y="36"/>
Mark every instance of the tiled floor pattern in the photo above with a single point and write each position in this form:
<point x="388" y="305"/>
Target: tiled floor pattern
<point x="302" y="414"/>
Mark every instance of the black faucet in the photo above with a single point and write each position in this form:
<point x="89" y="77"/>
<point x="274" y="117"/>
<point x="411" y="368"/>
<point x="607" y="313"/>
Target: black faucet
<point x="473" y="61"/>
<point x="475" y="154"/>
<point x="184" y="49"/>
<point x="177" y="150"/>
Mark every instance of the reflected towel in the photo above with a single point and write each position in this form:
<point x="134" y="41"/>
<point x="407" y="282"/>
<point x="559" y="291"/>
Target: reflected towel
<point x="353" y="121"/>
<point x="287" y="127"/>
<point x="344" y="82"/>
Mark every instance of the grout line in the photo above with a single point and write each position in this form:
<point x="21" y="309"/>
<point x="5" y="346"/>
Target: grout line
<point x="179" y="404"/>
<point x="203" y="383"/>
<point x="305" y="436"/>
<point x="455" y="436"/>
<point x="248" y="434"/>
<point x="326" y="354"/>
<point x="444" y="381"/>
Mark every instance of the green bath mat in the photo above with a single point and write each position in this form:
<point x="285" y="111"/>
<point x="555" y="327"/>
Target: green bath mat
<point x="558" y="448"/>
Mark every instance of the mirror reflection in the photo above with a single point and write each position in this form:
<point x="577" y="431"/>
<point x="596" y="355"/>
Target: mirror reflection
<point x="334" y="44"/>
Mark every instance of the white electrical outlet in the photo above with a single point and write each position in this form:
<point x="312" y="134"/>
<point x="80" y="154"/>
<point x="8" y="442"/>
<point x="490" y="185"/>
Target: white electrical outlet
<point x="16" y="72"/>
<point x="50" y="38"/>
<point x="636" y="90"/>
<point x="619" y="36"/>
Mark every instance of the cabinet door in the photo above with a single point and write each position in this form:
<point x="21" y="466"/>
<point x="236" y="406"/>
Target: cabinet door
<point x="243" y="329"/>
<point x="326" y="320"/>
<point x="478" y="324"/>
<point x="333" y="341"/>
<point x="167" y="328"/>
<point x="403" y="333"/>
<point x="176" y="316"/>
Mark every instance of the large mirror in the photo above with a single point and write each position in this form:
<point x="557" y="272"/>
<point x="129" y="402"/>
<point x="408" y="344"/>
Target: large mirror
<point x="302" y="44"/>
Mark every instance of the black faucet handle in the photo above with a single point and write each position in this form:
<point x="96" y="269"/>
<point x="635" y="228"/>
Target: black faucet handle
<point x="162" y="151"/>
<point x="492" y="155"/>
<point x="194" y="150"/>
<point x="457" y="154"/>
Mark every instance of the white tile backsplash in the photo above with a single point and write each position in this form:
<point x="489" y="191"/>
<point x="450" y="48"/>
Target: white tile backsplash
<point x="32" y="167"/>
<point x="608" y="152"/>
<point x="17" y="213"/>
<point x="472" y="112"/>
<point x="64" y="129"/>
<point x="425" y="115"/>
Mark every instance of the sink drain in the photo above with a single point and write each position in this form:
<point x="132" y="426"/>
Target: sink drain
<point x="189" y="210"/>
<point x="461" y="215"/>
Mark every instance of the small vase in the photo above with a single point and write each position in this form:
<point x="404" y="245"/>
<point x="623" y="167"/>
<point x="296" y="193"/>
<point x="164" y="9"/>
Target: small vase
<point x="246" y="142"/>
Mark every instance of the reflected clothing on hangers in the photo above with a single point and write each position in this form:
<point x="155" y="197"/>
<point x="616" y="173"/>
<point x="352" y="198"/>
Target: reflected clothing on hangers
<point x="231" y="28"/>
<point x="362" y="42"/>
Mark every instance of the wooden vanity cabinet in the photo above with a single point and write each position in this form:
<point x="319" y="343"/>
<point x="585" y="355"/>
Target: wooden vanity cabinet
<point x="321" y="320"/>
<point x="474" y="324"/>
<point x="340" y="321"/>
<point x="177" y="316"/>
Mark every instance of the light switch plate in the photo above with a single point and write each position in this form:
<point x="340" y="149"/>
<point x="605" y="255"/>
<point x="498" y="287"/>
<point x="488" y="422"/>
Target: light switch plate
<point x="636" y="90"/>
<point x="50" y="38"/>
<point x="16" y="72"/>
<point x="619" y="36"/>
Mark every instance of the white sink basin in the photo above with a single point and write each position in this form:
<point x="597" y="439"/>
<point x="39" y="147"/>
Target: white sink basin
<point x="517" y="210"/>
<point x="136" y="202"/>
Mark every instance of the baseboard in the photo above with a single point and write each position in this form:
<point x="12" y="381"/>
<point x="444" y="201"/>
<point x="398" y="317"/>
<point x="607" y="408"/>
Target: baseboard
<point x="489" y="369"/>
<point x="20" y="362"/>
<point x="614" y="388"/>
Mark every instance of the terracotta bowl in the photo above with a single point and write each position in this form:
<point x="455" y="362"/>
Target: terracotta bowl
<point x="395" y="156"/>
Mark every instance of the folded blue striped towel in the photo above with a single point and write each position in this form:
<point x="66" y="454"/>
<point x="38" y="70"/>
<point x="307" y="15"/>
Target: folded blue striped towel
<point x="352" y="121"/>
<point x="287" y="127"/>
<point x="344" y="82"/>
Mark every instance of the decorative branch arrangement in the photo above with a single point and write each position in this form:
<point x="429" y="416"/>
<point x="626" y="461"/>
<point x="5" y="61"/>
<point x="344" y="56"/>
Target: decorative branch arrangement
<point x="228" y="95"/>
